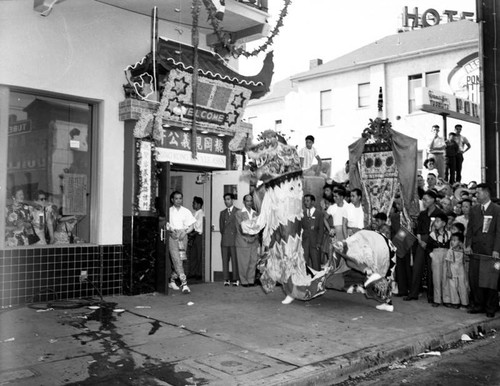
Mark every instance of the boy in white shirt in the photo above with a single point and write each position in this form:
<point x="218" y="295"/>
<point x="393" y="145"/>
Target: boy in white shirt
<point x="307" y="156"/>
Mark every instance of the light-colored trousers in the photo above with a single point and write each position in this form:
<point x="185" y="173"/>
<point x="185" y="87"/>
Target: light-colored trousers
<point x="247" y="262"/>
<point x="440" y="284"/>
<point x="178" y="272"/>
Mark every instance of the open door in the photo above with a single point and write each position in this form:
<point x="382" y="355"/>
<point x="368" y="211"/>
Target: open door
<point x="226" y="181"/>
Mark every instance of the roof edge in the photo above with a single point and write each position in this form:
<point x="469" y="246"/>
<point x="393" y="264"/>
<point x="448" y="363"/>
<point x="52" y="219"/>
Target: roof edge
<point x="387" y="59"/>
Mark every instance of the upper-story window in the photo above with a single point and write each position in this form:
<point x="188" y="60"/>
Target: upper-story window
<point x="432" y="80"/>
<point x="364" y="95"/>
<point x="278" y="124"/>
<point x="325" y="108"/>
<point x="414" y="81"/>
<point x="48" y="171"/>
<point x="429" y="79"/>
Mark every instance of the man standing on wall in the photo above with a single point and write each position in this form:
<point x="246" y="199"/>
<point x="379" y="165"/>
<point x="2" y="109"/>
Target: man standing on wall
<point x="463" y="146"/>
<point x="227" y="226"/>
<point x="181" y="222"/>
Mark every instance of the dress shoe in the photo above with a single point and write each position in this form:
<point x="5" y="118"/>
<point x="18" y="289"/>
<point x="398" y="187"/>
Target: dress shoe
<point x="185" y="289"/>
<point x="226" y="283"/>
<point x="490" y="314"/>
<point x="408" y="298"/>
<point x="236" y="283"/>
<point x="475" y="311"/>
<point x="244" y="285"/>
<point x="436" y="305"/>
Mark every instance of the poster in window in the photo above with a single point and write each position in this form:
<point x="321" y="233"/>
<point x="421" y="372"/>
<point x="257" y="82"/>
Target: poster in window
<point x="74" y="194"/>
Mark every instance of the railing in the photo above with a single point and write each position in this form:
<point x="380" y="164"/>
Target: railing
<point x="259" y="4"/>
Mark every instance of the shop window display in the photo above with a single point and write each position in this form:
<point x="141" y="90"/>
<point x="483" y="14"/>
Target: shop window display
<point x="48" y="171"/>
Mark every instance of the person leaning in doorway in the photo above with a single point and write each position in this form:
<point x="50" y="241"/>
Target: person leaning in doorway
<point x="181" y="222"/>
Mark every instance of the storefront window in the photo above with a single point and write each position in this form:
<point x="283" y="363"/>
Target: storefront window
<point x="48" y="171"/>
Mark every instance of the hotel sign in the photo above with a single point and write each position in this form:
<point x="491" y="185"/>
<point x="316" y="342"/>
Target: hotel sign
<point x="432" y="17"/>
<point x="464" y="78"/>
<point x="437" y="102"/>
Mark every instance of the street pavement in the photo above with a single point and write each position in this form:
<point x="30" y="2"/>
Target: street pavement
<point x="221" y="336"/>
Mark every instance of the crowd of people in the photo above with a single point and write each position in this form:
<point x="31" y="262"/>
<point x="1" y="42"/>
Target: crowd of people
<point x="38" y="222"/>
<point x="453" y="259"/>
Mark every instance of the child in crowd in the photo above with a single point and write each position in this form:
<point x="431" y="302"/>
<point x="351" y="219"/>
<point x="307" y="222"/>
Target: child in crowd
<point x="455" y="271"/>
<point x="380" y="219"/>
<point x="437" y="246"/>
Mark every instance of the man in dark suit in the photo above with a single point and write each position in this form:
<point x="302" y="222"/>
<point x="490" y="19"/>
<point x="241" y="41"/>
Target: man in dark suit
<point x="483" y="244"/>
<point x="312" y="232"/>
<point x="227" y="226"/>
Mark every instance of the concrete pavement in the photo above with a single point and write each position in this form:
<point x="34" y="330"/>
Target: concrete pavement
<point x="221" y="336"/>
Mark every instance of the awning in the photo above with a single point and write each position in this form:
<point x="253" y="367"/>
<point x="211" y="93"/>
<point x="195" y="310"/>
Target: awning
<point x="175" y="55"/>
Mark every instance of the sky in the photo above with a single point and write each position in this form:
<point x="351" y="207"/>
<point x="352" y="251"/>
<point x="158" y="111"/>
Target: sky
<point x="328" y="29"/>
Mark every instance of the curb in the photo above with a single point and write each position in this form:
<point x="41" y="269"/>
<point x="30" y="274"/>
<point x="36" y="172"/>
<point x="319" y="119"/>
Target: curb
<point x="338" y="369"/>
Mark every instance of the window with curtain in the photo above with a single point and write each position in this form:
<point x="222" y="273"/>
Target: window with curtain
<point x="326" y="107"/>
<point x="414" y="81"/>
<point x="364" y="95"/>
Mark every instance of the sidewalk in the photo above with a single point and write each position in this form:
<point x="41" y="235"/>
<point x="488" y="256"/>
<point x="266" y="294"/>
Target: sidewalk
<point x="227" y="336"/>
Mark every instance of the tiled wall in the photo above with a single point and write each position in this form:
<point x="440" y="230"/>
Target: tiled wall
<point x="43" y="274"/>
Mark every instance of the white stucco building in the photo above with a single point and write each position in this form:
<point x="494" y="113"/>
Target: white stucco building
<point x="335" y="100"/>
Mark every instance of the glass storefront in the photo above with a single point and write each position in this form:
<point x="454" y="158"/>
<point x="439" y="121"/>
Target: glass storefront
<point x="48" y="171"/>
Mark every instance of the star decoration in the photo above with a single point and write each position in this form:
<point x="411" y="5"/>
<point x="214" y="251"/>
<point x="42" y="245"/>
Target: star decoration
<point x="232" y="118"/>
<point x="172" y="104"/>
<point x="238" y="101"/>
<point x="180" y="86"/>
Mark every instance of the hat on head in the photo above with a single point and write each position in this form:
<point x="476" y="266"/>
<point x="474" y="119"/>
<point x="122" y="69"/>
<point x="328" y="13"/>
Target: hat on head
<point x="426" y="162"/>
<point x="459" y="191"/>
<point x="431" y="193"/>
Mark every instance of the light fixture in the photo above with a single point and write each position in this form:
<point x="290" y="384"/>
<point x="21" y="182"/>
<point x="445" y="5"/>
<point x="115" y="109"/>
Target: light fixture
<point x="165" y="125"/>
<point x="220" y="135"/>
<point x="186" y="128"/>
<point x="204" y="131"/>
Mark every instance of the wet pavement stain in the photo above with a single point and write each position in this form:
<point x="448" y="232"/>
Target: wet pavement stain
<point x="114" y="364"/>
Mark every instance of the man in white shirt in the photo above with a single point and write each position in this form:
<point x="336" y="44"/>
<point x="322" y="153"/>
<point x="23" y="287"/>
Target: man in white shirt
<point x="181" y="222"/>
<point x="195" y="258"/>
<point x="355" y="213"/>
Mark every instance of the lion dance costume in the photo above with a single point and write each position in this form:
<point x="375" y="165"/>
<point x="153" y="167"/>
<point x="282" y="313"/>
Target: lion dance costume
<point x="276" y="166"/>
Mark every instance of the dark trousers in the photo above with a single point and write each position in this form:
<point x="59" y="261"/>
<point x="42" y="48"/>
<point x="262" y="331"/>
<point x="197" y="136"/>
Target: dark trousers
<point x="403" y="274"/>
<point x="485" y="299"/>
<point x="451" y="169"/>
<point x="311" y="255"/>
<point x="195" y="269"/>
<point x="459" y="162"/>
<point x="420" y="263"/>
<point x="229" y="253"/>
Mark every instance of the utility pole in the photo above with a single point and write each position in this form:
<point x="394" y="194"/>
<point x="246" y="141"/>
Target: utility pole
<point x="488" y="17"/>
